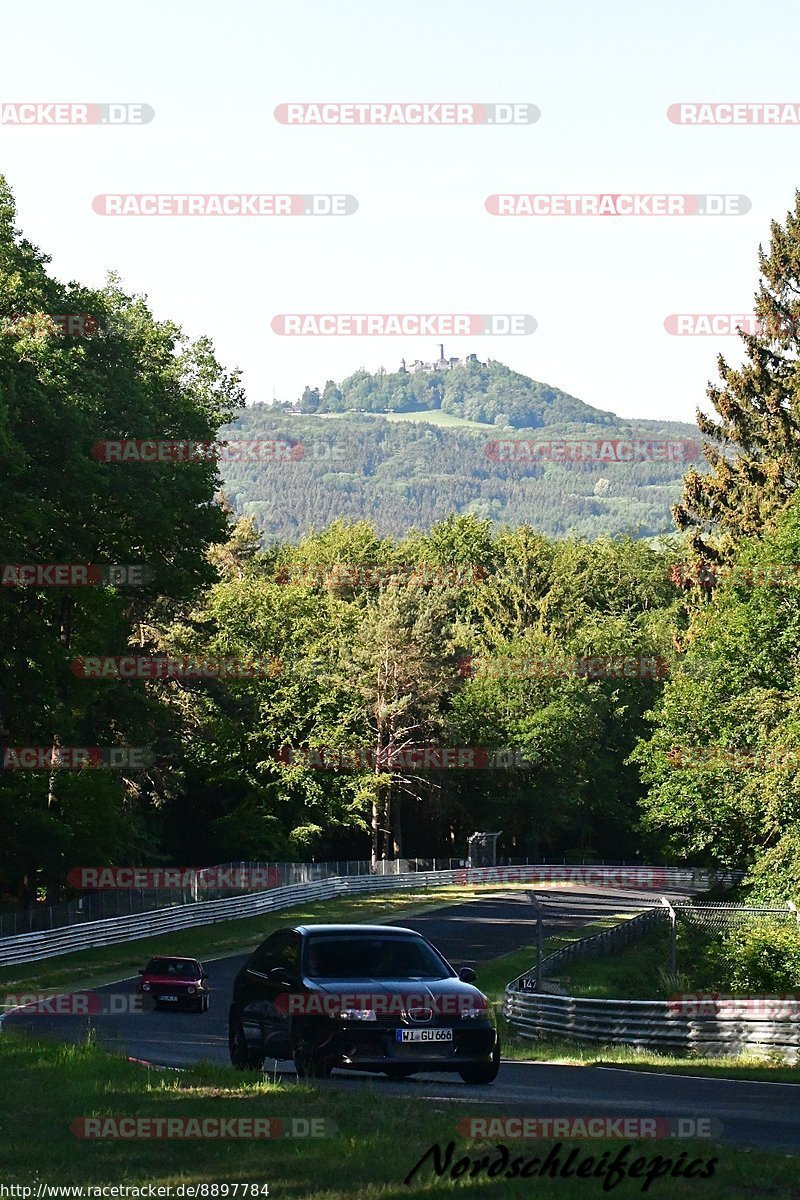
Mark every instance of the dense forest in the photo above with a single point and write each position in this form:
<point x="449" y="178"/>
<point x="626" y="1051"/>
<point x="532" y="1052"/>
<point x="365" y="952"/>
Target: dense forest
<point x="403" y="474"/>
<point x="373" y="649"/>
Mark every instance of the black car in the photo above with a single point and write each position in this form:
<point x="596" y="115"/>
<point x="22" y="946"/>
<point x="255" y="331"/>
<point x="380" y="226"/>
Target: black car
<point x="363" y="997"/>
<point x="175" y="982"/>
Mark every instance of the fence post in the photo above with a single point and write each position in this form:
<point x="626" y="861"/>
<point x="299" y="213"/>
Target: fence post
<point x="673" y="946"/>
<point x="793" y="908"/>
<point x="539" y="939"/>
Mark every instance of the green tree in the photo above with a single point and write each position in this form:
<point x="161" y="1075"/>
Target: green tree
<point x="752" y="447"/>
<point x="723" y="760"/>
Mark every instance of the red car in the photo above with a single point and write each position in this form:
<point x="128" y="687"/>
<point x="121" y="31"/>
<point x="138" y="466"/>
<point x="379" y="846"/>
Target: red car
<point x="175" y="983"/>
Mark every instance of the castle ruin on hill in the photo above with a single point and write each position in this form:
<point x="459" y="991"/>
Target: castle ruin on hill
<point x="439" y="364"/>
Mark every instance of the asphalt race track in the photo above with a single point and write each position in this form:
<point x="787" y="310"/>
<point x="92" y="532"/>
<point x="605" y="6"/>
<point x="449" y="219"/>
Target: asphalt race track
<point x="757" y="1114"/>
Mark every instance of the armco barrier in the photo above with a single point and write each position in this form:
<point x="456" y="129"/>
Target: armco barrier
<point x="627" y="931"/>
<point x="713" y="1027"/>
<point x="650" y="1024"/>
<point x="31" y="947"/>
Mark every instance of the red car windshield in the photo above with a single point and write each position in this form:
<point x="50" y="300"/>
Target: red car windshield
<point x="180" y="968"/>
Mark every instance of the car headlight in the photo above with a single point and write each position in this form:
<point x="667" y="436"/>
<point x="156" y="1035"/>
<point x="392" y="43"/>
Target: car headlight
<point x="477" y="1010"/>
<point x="359" y="1014"/>
<point x="145" y="987"/>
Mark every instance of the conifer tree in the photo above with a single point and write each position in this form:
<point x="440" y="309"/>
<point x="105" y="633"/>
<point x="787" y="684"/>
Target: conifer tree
<point x="753" y="447"/>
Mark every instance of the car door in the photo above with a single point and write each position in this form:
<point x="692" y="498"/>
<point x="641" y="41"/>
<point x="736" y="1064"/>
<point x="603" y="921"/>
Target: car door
<point x="264" y="1021"/>
<point x="253" y="993"/>
<point x="276" y="1018"/>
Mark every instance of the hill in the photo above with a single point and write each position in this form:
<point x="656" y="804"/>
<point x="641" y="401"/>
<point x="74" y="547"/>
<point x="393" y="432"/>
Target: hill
<point x="402" y="471"/>
<point x="472" y="390"/>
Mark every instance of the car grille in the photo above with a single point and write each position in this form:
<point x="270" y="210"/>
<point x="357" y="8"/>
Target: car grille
<point x="418" y="1050"/>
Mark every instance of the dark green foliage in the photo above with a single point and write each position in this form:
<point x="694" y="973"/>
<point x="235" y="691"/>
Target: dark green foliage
<point x="403" y="475"/>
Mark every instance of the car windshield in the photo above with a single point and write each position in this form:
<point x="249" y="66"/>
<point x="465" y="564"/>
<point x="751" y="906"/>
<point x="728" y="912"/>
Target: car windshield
<point x="373" y="958"/>
<point x="181" y="968"/>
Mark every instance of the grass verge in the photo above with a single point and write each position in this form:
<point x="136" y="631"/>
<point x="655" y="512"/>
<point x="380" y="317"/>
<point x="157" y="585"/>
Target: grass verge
<point x="92" y="968"/>
<point x="609" y="975"/>
<point x="494" y="974"/>
<point x="379" y="1137"/>
<point x="577" y="1054"/>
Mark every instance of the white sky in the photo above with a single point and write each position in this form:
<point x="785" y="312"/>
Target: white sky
<point x="602" y="76"/>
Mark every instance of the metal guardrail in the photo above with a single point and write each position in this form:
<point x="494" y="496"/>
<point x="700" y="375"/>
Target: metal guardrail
<point x="197" y="885"/>
<point x="30" y="947"/>
<point x="627" y="931"/>
<point x="712" y="1026"/>
<point x="653" y="1025"/>
<point x="200" y="884"/>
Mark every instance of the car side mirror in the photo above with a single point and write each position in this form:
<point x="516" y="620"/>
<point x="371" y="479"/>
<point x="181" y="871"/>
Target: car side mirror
<point x="280" y="975"/>
<point x="467" y="975"/>
<point x="205" y="975"/>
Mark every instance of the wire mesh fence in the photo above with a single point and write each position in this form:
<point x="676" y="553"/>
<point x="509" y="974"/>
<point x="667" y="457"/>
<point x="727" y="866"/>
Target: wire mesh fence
<point x="204" y="883"/>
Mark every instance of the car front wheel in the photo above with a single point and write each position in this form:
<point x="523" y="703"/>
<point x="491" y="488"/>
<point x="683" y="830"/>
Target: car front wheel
<point x="309" y="1058"/>
<point x="242" y="1055"/>
<point x="482" y="1074"/>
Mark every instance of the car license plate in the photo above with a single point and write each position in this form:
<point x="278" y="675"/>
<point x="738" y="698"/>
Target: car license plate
<point x="168" y="997"/>
<point x="424" y="1035"/>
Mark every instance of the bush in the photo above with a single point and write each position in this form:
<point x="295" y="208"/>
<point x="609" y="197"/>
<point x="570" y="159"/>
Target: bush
<point x="763" y="956"/>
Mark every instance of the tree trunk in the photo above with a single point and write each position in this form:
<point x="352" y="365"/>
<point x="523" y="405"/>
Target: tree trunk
<point x="374" y="834"/>
<point x="397" y="830"/>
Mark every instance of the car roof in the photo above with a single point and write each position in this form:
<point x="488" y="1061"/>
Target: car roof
<point x="173" y="958"/>
<point x="356" y="929"/>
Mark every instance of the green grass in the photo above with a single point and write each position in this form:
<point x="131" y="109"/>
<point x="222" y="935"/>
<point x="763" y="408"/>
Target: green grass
<point x="579" y="1054"/>
<point x="497" y="972"/>
<point x="435" y="416"/>
<point x="630" y="972"/>
<point x="92" y="968"/>
<point x="379" y="1137"/>
<point x="431" y="416"/>
<point x="635" y="972"/>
